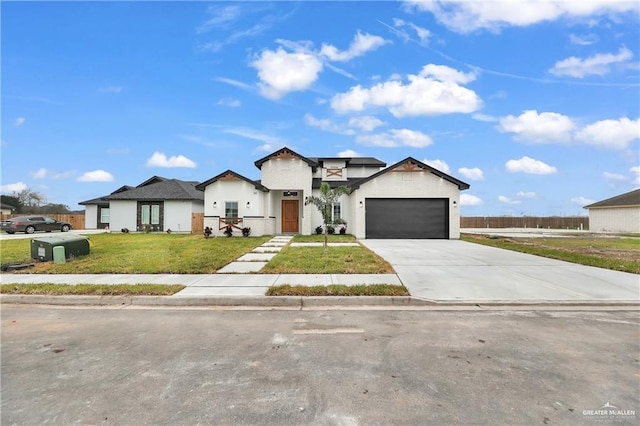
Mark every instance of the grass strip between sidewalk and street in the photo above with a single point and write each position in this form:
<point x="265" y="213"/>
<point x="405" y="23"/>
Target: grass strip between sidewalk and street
<point x="618" y="254"/>
<point x="338" y="290"/>
<point x="92" y="289"/>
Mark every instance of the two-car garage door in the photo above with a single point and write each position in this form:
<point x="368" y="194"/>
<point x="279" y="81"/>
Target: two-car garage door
<point x="405" y="218"/>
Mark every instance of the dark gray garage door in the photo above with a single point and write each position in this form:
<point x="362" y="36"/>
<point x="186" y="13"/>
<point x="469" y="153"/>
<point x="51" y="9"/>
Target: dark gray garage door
<point x="407" y="218"/>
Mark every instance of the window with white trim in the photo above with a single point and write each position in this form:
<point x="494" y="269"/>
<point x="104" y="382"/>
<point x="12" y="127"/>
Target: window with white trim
<point x="336" y="212"/>
<point x="104" y="215"/>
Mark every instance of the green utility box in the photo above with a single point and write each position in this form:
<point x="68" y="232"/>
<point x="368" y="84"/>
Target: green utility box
<point x="42" y="248"/>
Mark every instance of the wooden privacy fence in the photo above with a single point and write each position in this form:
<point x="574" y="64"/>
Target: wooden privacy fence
<point x="197" y="223"/>
<point x="550" y="222"/>
<point x="76" y="220"/>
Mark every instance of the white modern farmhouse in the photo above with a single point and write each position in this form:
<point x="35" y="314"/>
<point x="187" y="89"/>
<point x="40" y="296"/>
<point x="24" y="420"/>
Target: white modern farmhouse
<point x="406" y="200"/>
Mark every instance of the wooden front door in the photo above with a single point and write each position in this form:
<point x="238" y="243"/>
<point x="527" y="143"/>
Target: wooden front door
<point x="290" y="216"/>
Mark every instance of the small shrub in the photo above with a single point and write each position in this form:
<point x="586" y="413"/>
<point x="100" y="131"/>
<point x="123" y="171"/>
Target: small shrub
<point x="331" y="230"/>
<point x="228" y="231"/>
<point x="318" y="230"/>
<point x="343" y="230"/>
<point x="246" y="231"/>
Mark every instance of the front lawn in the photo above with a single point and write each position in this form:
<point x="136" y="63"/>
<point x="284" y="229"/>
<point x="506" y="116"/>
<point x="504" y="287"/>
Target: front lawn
<point x="135" y="253"/>
<point x="619" y="254"/>
<point x="337" y="260"/>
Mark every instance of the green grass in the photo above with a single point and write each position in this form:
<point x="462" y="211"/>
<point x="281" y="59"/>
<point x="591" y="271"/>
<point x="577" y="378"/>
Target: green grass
<point x="140" y="254"/>
<point x="335" y="238"/>
<point x="338" y="260"/>
<point x="618" y="254"/>
<point x="92" y="289"/>
<point x="339" y="290"/>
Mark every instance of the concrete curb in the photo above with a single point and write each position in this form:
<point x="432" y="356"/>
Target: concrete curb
<point x="297" y="302"/>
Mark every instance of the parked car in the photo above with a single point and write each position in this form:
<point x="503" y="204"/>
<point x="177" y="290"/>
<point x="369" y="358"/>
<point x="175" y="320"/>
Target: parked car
<point x="31" y="224"/>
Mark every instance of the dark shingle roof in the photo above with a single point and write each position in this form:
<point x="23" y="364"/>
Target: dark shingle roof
<point x="256" y="184"/>
<point x="334" y="183"/>
<point x="407" y="161"/>
<point x="624" y="200"/>
<point x="168" y="189"/>
<point x="100" y="200"/>
<point x="351" y="161"/>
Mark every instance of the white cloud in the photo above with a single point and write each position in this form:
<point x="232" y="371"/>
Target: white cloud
<point x="582" y="201"/>
<point x="435" y="90"/>
<point x="43" y="173"/>
<point x="326" y="125"/>
<point x="617" y="134"/>
<point x="396" y="137"/>
<point x="349" y="153"/>
<point x="468" y="16"/>
<point x="230" y="102"/>
<point x="13" y="187"/>
<point x="599" y="64"/>
<point x="470" y="200"/>
<point x="111" y="89"/>
<point x="636" y="171"/>
<point x="256" y="135"/>
<point x="422" y="33"/>
<point x="234" y="83"/>
<point x="529" y="165"/>
<point x="438" y="164"/>
<point x="508" y="200"/>
<point x="613" y="176"/>
<point x="159" y="159"/>
<point x="281" y="72"/>
<point x="96" y="176"/>
<point x="472" y="174"/>
<point x="366" y="123"/>
<point x="584" y="40"/>
<point x="361" y="44"/>
<point x="19" y="121"/>
<point x="540" y="128"/>
<point x="484" y="117"/>
<point x="523" y="194"/>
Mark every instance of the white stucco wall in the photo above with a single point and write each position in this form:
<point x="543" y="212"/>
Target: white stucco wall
<point x="91" y="217"/>
<point x="240" y="191"/>
<point x="177" y="215"/>
<point x="288" y="174"/>
<point x="122" y="214"/>
<point x="618" y="219"/>
<point x="405" y="185"/>
<point x="346" y="205"/>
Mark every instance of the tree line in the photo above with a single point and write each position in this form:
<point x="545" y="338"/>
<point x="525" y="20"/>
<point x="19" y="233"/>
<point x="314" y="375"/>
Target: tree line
<point x="27" y="201"/>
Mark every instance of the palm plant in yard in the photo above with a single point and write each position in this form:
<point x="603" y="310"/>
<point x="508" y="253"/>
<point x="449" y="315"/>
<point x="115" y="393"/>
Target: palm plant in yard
<point x="324" y="203"/>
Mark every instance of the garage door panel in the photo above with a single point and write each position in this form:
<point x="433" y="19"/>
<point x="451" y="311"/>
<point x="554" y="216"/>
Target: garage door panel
<point x="407" y="218"/>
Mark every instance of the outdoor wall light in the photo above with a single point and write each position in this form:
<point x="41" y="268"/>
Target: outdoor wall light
<point x="248" y="204"/>
<point x="455" y="204"/>
<point x="361" y="204"/>
<point x="215" y="204"/>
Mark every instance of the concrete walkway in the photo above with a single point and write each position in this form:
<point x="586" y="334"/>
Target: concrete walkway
<point x="453" y="270"/>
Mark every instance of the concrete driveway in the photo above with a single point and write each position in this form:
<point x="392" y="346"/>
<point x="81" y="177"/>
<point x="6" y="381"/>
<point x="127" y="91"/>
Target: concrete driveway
<point x="453" y="270"/>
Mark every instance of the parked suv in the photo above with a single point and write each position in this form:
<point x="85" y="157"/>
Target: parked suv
<point x="31" y="224"/>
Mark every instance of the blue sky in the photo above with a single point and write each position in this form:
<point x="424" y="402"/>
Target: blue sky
<point x="536" y="105"/>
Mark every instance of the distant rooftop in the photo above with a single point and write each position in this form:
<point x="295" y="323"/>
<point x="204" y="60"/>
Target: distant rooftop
<point x="624" y="200"/>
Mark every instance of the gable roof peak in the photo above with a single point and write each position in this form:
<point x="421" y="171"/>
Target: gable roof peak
<point x="286" y="153"/>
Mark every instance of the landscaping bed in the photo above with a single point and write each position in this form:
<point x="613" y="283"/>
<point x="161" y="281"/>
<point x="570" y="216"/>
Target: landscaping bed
<point x="338" y="290"/>
<point x="92" y="289"/>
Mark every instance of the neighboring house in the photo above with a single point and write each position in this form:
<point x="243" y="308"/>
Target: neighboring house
<point x="406" y="200"/>
<point x="617" y="214"/>
<point x="6" y="209"/>
<point x="162" y="204"/>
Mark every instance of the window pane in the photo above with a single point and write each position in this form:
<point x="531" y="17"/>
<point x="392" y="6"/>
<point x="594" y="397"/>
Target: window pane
<point x="104" y="215"/>
<point x="145" y="214"/>
<point x="155" y="214"/>
<point x="337" y="211"/>
<point x="231" y="209"/>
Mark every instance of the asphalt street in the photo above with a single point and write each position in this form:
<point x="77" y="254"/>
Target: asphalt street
<point x="104" y="366"/>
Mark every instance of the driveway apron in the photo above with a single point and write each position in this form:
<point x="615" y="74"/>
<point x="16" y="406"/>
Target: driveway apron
<point x="454" y="270"/>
